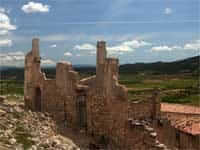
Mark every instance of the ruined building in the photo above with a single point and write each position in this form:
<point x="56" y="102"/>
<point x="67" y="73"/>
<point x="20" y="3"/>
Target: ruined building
<point x="97" y="104"/>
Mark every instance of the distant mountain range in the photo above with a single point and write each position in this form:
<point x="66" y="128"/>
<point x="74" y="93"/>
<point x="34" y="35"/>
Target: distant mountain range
<point x="189" y="65"/>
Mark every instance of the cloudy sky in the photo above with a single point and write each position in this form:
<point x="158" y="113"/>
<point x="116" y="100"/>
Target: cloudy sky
<point x="135" y="30"/>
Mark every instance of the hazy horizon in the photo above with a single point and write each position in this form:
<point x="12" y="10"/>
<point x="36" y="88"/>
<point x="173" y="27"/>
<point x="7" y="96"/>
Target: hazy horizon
<point x="94" y="65"/>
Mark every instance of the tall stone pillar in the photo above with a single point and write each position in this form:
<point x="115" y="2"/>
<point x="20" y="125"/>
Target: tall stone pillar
<point x="35" y="47"/>
<point x="156" y="105"/>
<point x="100" y="63"/>
<point x="32" y="74"/>
<point x="101" y="52"/>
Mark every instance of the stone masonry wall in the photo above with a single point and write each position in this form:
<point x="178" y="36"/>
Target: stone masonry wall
<point x="57" y="95"/>
<point x="97" y="104"/>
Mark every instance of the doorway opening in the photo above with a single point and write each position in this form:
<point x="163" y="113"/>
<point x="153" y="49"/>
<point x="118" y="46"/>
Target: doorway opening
<point x="82" y="112"/>
<point x="38" y="100"/>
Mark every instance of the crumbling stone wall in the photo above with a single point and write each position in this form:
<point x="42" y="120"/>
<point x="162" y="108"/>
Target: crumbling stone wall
<point x="57" y="95"/>
<point x="97" y="104"/>
<point x="106" y="99"/>
<point x="149" y="108"/>
<point x="33" y="75"/>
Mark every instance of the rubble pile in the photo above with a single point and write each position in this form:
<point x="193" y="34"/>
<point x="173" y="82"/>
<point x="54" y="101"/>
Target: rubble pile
<point x="27" y="130"/>
<point x="150" y="137"/>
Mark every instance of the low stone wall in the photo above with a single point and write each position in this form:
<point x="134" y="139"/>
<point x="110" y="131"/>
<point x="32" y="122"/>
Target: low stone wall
<point x="140" y="110"/>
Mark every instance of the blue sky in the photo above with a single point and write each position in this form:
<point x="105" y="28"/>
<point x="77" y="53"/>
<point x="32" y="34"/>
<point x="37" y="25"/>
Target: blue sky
<point x="135" y="30"/>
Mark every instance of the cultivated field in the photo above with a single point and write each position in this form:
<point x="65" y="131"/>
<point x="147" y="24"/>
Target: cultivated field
<point x="181" y="89"/>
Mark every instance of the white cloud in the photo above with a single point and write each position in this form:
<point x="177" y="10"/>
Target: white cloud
<point x="127" y="46"/>
<point x="53" y="46"/>
<point x="78" y="55"/>
<point x="3" y="10"/>
<point x="5" y="27"/>
<point x="12" y="58"/>
<point x="17" y="53"/>
<point x="168" y="11"/>
<point x="136" y="43"/>
<point x="165" y="48"/>
<point x="17" y="59"/>
<point x="5" y="43"/>
<point x="47" y="62"/>
<point x="16" y="56"/>
<point x="67" y="54"/>
<point x="193" y="45"/>
<point x="161" y="48"/>
<point x="92" y="53"/>
<point x="85" y="47"/>
<point x="33" y="7"/>
<point x="122" y="48"/>
<point x="3" y="32"/>
<point x="5" y="24"/>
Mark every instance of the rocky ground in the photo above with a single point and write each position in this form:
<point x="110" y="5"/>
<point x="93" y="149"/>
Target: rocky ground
<point x="26" y="130"/>
<point x="22" y="129"/>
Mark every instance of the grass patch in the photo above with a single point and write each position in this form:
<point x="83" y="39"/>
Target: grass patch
<point x="139" y="94"/>
<point x="192" y="99"/>
<point x="11" y="87"/>
<point x="14" y="97"/>
<point x="180" y="84"/>
<point x="183" y="89"/>
<point x="162" y="84"/>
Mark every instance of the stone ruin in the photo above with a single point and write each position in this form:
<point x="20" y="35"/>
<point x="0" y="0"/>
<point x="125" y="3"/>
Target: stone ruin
<point x="97" y="105"/>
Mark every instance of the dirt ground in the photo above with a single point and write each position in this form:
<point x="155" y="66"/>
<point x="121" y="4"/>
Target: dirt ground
<point x="187" y="109"/>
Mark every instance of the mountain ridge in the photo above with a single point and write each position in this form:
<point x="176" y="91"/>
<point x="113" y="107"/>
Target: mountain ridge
<point x="188" y="65"/>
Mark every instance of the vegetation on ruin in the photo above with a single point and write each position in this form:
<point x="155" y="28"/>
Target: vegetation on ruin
<point x="22" y="136"/>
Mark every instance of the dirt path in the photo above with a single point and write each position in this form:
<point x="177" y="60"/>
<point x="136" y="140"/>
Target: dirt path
<point x="187" y="109"/>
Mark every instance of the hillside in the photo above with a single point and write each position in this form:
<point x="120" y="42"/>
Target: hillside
<point x="189" y="65"/>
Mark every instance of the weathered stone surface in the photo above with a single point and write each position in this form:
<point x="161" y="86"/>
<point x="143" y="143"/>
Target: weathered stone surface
<point x="2" y="98"/>
<point x="97" y="105"/>
<point x="33" y="130"/>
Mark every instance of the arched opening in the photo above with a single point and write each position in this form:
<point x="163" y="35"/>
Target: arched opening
<point x="38" y="103"/>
